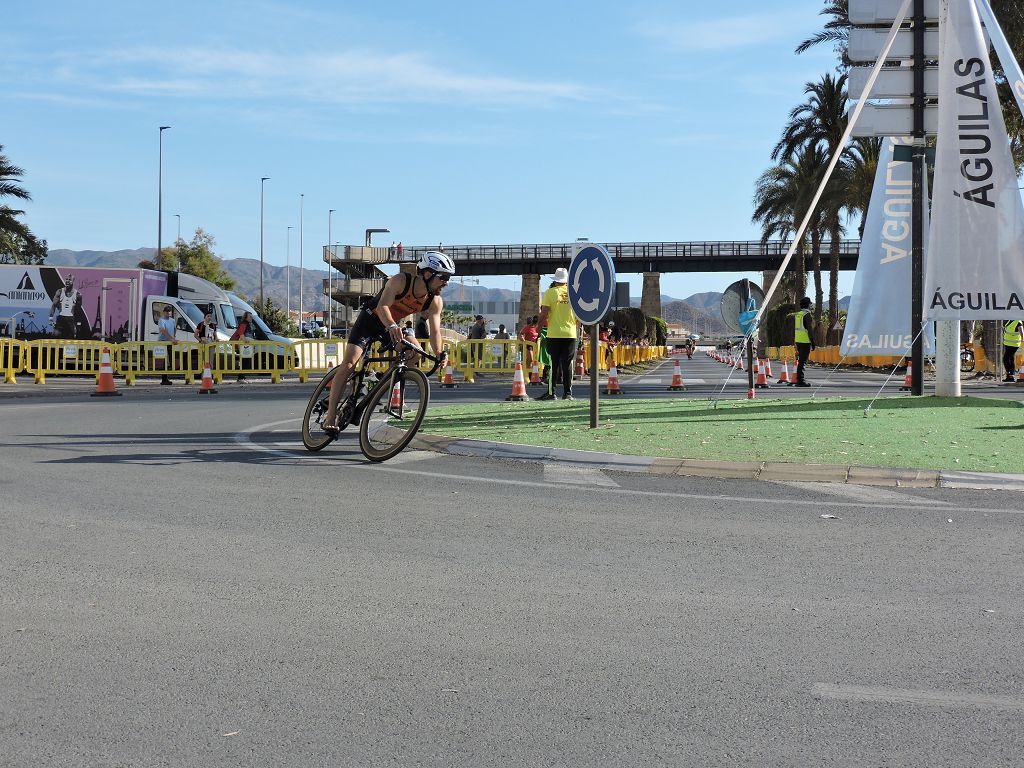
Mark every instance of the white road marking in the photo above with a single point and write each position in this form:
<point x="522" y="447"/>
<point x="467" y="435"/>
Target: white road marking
<point x="568" y="474"/>
<point x="871" y="694"/>
<point x="865" y="493"/>
<point x="409" y="456"/>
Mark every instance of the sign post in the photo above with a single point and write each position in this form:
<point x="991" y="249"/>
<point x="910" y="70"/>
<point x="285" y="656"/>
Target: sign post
<point x="591" y="294"/>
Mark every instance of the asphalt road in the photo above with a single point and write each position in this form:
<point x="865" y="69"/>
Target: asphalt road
<point x="184" y="586"/>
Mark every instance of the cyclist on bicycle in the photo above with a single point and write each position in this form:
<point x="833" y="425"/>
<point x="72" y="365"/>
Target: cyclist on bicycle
<point x="402" y="295"/>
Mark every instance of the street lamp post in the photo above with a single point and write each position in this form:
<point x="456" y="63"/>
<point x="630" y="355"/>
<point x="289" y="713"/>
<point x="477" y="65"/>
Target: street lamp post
<point x="301" y="203"/>
<point x="330" y="274"/>
<point x="178" y="217"/>
<point x="288" y="270"/>
<point x="160" y="197"/>
<point x="262" y="180"/>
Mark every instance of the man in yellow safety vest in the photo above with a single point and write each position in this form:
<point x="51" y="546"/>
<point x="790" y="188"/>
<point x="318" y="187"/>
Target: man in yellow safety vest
<point x="803" y="328"/>
<point x="1011" y="343"/>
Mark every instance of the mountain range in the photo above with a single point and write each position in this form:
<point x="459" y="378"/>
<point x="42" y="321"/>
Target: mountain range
<point x="699" y="312"/>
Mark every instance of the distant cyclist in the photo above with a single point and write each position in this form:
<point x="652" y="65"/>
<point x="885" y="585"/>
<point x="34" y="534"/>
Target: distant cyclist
<point x="378" y="320"/>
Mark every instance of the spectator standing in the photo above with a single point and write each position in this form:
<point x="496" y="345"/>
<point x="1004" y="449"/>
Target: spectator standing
<point x="529" y="333"/>
<point x="477" y="332"/>
<point x="422" y="331"/>
<point x="803" y="337"/>
<point x="166" y="327"/>
<point x="408" y="331"/>
<point x="242" y="332"/>
<point x="502" y="335"/>
<point x="1011" y="343"/>
<point x="556" y="316"/>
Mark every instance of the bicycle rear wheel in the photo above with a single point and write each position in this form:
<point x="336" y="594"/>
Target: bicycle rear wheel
<point x="313" y="435"/>
<point x="393" y="413"/>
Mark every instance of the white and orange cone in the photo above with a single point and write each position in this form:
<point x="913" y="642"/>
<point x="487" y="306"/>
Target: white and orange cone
<point x="768" y="367"/>
<point x="535" y="374"/>
<point x="449" y="380"/>
<point x="105" y="381"/>
<point x="784" y="379"/>
<point x="581" y="366"/>
<point x="677" y="378"/>
<point x="518" y="385"/>
<point x="396" y="397"/>
<point x="908" y="379"/>
<point x="762" y="377"/>
<point x="207" y="388"/>
<point x="613" y="381"/>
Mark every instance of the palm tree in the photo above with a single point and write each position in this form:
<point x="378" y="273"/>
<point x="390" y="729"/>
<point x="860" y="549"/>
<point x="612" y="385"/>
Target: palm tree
<point x="17" y="243"/>
<point x="782" y="197"/>
<point x="836" y="31"/>
<point x="820" y="123"/>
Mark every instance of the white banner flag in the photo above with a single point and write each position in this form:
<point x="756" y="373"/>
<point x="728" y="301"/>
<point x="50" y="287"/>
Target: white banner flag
<point x="1011" y="67"/>
<point x="975" y="268"/>
<point x="879" y="318"/>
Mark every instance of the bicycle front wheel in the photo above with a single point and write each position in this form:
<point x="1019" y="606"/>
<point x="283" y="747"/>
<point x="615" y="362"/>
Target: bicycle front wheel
<point x="393" y="413"/>
<point x="313" y="435"/>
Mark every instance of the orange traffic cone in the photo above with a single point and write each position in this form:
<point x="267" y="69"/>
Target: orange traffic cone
<point x="535" y="374"/>
<point x="581" y="367"/>
<point x="396" y="397"/>
<point x="768" y="367"/>
<point x="908" y="379"/>
<point x="105" y="381"/>
<point x="762" y="376"/>
<point x="613" y="381"/>
<point x="784" y="379"/>
<point x="1020" y="375"/>
<point x="449" y="380"/>
<point x="677" y="378"/>
<point x="518" y="385"/>
<point x="739" y="363"/>
<point x="207" y="388"/>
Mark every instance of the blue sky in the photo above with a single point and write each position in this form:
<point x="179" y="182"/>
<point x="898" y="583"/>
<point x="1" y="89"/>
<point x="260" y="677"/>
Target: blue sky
<point x="451" y="122"/>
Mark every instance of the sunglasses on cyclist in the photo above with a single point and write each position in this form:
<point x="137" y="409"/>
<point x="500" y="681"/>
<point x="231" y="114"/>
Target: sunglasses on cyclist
<point x="444" y="278"/>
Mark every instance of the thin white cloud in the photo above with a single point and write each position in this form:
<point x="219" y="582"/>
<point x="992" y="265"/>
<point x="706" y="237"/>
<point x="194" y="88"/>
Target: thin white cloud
<point x="729" y="32"/>
<point x="353" y="77"/>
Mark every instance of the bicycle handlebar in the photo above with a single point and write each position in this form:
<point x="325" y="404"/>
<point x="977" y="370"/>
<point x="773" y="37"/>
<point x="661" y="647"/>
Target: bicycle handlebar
<point x="436" y="360"/>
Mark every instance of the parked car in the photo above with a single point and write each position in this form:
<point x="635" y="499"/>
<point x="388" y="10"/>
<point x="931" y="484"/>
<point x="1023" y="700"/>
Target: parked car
<point x="314" y="329"/>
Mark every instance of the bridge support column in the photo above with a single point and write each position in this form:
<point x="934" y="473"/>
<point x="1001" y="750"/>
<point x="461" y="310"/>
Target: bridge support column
<point x="529" y="298"/>
<point x="650" y="299"/>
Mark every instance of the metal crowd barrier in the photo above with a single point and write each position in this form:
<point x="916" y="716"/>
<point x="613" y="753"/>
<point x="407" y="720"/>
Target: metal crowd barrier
<point x="316" y="356"/>
<point x="12" y="358"/>
<point x="159" y="358"/>
<point x="65" y="357"/>
<point x="248" y="356"/>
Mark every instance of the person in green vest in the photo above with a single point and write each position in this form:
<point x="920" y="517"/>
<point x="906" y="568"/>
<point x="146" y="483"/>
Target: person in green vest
<point x="1011" y="343"/>
<point x="803" y="337"/>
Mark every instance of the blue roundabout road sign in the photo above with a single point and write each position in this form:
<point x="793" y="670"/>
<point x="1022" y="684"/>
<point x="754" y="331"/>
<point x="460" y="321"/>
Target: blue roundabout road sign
<point x="591" y="284"/>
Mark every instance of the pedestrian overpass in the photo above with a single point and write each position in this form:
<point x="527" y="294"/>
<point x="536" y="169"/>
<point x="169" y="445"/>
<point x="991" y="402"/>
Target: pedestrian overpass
<point x="360" y="273"/>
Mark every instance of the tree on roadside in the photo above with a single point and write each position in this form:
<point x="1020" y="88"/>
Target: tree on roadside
<point x="276" y="317"/>
<point x="17" y="243"/>
<point x="193" y="258"/>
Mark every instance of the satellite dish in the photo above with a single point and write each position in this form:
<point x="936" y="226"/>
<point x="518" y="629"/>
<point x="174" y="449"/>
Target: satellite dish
<point x="736" y="299"/>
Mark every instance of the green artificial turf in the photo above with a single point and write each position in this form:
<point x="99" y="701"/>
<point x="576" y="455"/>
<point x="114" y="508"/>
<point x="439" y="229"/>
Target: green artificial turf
<point x="966" y="433"/>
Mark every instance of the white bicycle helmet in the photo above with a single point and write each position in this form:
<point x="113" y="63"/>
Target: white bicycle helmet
<point x="437" y="261"/>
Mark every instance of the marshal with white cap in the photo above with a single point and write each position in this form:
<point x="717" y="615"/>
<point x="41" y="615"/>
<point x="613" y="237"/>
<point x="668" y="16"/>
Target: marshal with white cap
<point x="591" y="284"/>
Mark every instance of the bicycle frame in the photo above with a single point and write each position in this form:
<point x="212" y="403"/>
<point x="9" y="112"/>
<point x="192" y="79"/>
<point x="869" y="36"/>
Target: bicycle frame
<point x="397" y="365"/>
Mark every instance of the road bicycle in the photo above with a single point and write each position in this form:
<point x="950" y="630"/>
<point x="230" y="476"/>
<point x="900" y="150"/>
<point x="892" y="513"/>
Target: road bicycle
<point x="967" y="359"/>
<point x="388" y="408"/>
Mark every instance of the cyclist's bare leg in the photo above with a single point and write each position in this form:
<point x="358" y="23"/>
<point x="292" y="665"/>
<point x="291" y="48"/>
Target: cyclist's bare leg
<point x="345" y="368"/>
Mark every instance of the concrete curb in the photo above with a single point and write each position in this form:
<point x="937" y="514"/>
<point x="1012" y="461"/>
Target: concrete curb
<point x="886" y="477"/>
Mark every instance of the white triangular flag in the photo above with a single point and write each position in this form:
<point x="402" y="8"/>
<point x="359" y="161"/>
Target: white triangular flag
<point x="975" y="268"/>
<point x="879" y="319"/>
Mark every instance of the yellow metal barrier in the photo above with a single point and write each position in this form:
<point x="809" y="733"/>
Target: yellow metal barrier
<point x="159" y="358"/>
<point x="264" y="358"/>
<point x="12" y="359"/>
<point x="64" y="357"/>
<point x="491" y="356"/>
<point x="317" y="356"/>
